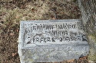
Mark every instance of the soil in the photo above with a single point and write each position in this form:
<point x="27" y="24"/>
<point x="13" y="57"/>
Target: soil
<point x="13" y="11"/>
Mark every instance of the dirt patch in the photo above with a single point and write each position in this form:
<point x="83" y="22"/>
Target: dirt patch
<point x="12" y="12"/>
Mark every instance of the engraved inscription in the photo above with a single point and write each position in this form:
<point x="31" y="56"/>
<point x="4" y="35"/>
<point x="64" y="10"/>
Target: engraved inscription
<point x="48" y="33"/>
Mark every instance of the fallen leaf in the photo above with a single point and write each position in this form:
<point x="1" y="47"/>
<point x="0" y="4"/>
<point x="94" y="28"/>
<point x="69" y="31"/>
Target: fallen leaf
<point x="17" y="30"/>
<point x="14" y="54"/>
<point x="72" y="60"/>
<point x="11" y="34"/>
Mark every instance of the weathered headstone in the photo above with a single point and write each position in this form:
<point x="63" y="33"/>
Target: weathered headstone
<point x="51" y="40"/>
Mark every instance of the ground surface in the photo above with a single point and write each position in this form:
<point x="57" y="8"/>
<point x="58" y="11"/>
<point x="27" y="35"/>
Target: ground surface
<point x="13" y="11"/>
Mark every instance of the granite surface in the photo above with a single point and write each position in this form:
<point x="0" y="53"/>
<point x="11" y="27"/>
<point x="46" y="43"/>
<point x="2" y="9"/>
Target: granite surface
<point x="51" y="40"/>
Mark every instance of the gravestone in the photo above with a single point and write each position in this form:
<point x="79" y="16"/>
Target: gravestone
<point x="51" y="40"/>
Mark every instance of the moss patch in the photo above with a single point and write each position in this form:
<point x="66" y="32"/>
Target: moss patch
<point x="92" y="57"/>
<point x="93" y="37"/>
